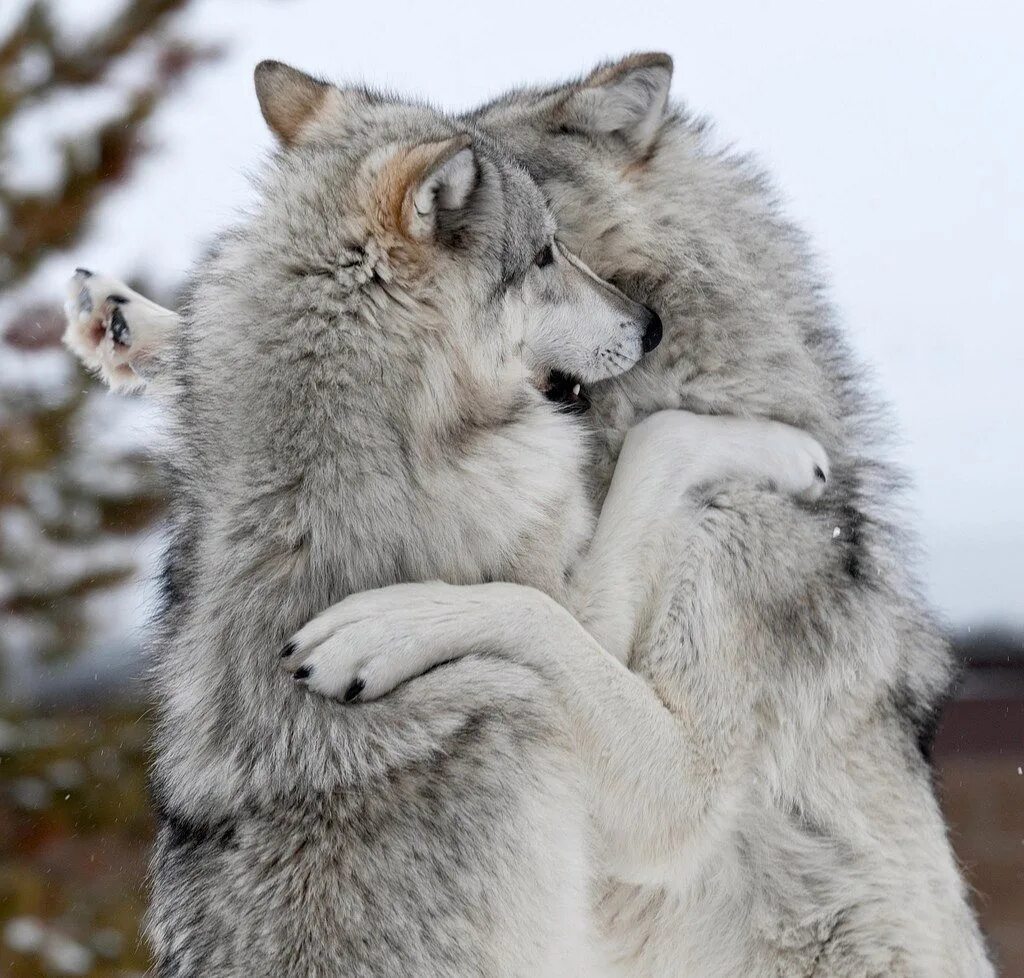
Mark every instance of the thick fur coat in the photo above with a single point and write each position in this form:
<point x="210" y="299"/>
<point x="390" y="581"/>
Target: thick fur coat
<point x="356" y="393"/>
<point x="791" y="642"/>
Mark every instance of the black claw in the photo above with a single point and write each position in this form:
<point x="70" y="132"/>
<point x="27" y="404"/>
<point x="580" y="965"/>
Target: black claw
<point x="819" y="473"/>
<point x="288" y="650"/>
<point x="85" y="301"/>
<point x="119" y="327"/>
<point x="303" y="672"/>
<point x="84" y="271"/>
<point x="354" y="690"/>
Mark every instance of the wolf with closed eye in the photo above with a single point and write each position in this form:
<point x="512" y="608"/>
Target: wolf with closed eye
<point x="382" y="377"/>
<point x="769" y="810"/>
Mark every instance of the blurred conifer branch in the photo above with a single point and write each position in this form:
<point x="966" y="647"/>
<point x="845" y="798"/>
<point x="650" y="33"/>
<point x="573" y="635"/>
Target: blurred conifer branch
<point x="77" y="490"/>
<point x="33" y="223"/>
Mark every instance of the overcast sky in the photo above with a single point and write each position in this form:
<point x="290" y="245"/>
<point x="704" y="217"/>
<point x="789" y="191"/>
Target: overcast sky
<point x="895" y="129"/>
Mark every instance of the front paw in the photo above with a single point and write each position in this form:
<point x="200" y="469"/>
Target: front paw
<point x="97" y="327"/>
<point x="116" y="332"/>
<point x="797" y="463"/>
<point x="365" y="646"/>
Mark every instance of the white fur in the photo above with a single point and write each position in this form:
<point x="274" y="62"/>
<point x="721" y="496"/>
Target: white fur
<point x="90" y="333"/>
<point x="383" y="638"/>
<point x="386" y="636"/>
<point x="445" y="188"/>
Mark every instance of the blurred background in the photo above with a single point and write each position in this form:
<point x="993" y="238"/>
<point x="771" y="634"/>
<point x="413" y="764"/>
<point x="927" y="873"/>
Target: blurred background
<point x="127" y="130"/>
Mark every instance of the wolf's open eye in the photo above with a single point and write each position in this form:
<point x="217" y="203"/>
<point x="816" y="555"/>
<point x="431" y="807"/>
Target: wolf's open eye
<point x="544" y="257"/>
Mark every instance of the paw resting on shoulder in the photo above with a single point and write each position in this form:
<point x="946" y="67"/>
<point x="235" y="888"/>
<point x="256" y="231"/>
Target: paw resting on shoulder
<point x="365" y="646"/>
<point x="793" y="460"/>
<point x="687" y="449"/>
<point x="371" y="642"/>
<point x="114" y="331"/>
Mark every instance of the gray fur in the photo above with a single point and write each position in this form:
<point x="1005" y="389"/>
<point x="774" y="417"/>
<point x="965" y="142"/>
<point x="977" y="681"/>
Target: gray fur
<point x="346" y="420"/>
<point x="791" y="641"/>
<point x="784" y="824"/>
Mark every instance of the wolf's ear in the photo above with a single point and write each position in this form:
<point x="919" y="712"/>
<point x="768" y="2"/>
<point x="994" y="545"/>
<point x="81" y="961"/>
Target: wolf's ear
<point x="627" y="98"/>
<point x="288" y="98"/>
<point x="426" y="189"/>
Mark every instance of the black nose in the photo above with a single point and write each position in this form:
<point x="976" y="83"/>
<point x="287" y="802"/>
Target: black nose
<point x="652" y="334"/>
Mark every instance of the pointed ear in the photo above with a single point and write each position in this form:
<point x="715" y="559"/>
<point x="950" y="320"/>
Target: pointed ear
<point x="289" y="99"/>
<point x="426" y="189"/>
<point x="627" y="98"/>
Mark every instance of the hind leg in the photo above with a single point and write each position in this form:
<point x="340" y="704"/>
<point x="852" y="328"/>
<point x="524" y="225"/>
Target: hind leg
<point x="116" y="332"/>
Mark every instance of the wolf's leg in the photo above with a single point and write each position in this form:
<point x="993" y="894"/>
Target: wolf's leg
<point x="650" y="790"/>
<point x="662" y="459"/>
<point x="117" y="333"/>
<point x="366" y="645"/>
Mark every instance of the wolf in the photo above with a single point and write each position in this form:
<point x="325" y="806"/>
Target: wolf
<point x="380" y="378"/>
<point x="776" y="816"/>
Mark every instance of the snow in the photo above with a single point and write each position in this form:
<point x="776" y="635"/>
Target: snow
<point x="11" y="12"/>
<point x="113" y="424"/>
<point x="29" y="935"/>
<point x="108" y="942"/>
<point x="893" y="130"/>
<point x="36" y="135"/>
<point x="46" y="372"/>
<point x="109" y="436"/>
<point x="65" y="956"/>
<point x="24" y="934"/>
<point x="33" y="67"/>
<point x="65" y="773"/>
<point x="75" y="19"/>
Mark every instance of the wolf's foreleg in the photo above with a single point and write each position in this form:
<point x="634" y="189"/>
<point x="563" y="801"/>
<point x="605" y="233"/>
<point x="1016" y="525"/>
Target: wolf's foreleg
<point x="118" y="334"/>
<point x="663" y="459"/>
<point x="655" y="779"/>
<point x="648" y="787"/>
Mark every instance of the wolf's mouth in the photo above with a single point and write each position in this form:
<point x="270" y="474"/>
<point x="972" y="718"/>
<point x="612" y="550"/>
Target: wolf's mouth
<point x="566" y="391"/>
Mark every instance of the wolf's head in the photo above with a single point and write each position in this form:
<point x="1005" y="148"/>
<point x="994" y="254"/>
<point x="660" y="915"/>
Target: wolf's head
<point x="384" y="349"/>
<point x="645" y="199"/>
<point x="596" y="147"/>
<point x="450" y="235"/>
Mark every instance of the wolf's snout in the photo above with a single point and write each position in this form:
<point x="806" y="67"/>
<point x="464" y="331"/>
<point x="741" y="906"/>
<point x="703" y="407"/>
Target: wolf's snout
<point x="652" y="332"/>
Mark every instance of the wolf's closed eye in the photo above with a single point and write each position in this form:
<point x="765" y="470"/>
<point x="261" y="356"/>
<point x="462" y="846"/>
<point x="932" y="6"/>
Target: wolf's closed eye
<point x="544" y="257"/>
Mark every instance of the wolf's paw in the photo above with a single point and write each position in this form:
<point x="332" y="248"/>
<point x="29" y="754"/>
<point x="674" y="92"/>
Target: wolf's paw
<point x="98" y="310"/>
<point x="114" y="330"/>
<point x="794" y="460"/>
<point x="363" y="647"/>
<point x="679" y="448"/>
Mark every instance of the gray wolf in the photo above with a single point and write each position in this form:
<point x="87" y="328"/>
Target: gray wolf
<point x="379" y="379"/>
<point x="766" y="805"/>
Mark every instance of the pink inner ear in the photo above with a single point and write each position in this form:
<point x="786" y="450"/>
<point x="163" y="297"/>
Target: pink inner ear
<point x="97" y="330"/>
<point x="454" y="180"/>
